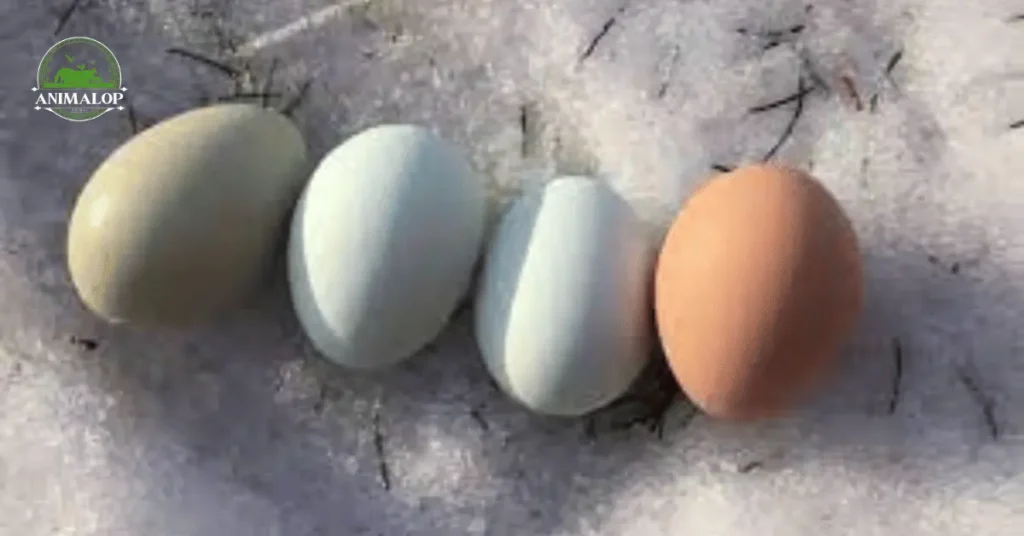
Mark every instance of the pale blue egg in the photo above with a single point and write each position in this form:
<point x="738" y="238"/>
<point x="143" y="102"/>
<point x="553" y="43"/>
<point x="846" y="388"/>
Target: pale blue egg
<point x="564" y="313"/>
<point x="383" y="245"/>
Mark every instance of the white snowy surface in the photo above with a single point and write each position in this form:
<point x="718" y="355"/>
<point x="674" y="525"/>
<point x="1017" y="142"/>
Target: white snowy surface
<point x="238" y="429"/>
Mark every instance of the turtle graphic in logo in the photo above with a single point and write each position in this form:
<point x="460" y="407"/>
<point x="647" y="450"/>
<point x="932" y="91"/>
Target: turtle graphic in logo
<point x="79" y="79"/>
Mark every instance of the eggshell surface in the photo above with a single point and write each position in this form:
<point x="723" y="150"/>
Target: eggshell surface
<point x="563" y="313"/>
<point x="758" y="286"/>
<point x="383" y="245"/>
<point x="181" y="222"/>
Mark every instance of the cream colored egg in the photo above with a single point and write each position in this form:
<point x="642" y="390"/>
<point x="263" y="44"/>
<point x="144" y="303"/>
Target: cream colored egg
<point x="182" y="221"/>
<point x="383" y="245"/>
<point x="563" y="312"/>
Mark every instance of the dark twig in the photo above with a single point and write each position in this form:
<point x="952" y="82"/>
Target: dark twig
<point x="781" y="102"/>
<point x="667" y="75"/>
<point x="897" y="377"/>
<point x="378" y="446"/>
<point x="1016" y="18"/>
<point x="773" y="38"/>
<point x="773" y="34"/>
<point x="84" y="343"/>
<point x="750" y="467"/>
<point x="219" y="65"/>
<point x="132" y="119"/>
<point x="662" y="90"/>
<point x="478" y="417"/>
<point x="268" y="82"/>
<point x="986" y="403"/>
<point x="524" y="123"/>
<point x="873" y="104"/>
<point x="1017" y="124"/>
<point x="607" y="27"/>
<point x="786" y="134"/>
<point x="65" y="15"/>
<point x="893" y="62"/>
<point x="263" y="96"/>
<point x="721" y="168"/>
<point x="290" y="107"/>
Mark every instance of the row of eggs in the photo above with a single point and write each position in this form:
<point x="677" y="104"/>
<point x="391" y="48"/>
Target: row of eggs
<point x="753" y="292"/>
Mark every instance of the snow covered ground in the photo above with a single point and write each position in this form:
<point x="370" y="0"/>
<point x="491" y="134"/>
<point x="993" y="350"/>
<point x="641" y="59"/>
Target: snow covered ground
<point x="238" y="429"/>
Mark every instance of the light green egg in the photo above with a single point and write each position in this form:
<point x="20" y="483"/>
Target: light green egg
<point x="181" y="222"/>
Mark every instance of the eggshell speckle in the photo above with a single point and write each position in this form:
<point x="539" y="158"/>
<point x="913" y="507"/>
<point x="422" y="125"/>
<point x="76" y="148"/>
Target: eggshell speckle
<point x="383" y="245"/>
<point x="758" y="286"/>
<point x="182" y="221"/>
<point x="563" y="314"/>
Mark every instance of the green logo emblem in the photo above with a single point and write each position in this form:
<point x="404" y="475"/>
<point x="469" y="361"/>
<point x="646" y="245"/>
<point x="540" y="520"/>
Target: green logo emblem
<point x="79" y="79"/>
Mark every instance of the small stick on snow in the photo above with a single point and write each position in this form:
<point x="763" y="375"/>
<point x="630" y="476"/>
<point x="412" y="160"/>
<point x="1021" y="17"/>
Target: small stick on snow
<point x="268" y="83"/>
<point x="132" y="119"/>
<point x="667" y="77"/>
<point x="478" y="418"/>
<point x="65" y="15"/>
<point x="1016" y="125"/>
<point x="721" y="168"/>
<point x="249" y="95"/>
<point x="662" y="90"/>
<point x="383" y="471"/>
<point x="781" y="102"/>
<point x="987" y="406"/>
<point x="84" y="343"/>
<point x="524" y="118"/>
<point x="897" y="378"/>
<point x="607" y="27"/>
<point x="893" y="62"/>
<point x="773" y="38"/>
<point x="219" y="65"/>
<point x="873" y="104"/>
<point x="786" y="134"/>
<point x="750" y="467"/>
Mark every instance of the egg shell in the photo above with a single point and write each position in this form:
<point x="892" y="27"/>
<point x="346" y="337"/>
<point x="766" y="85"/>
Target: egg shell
<point x="758" y="286"/>
<point x="383" y="245"/>
<point x="563" y="314"/>
<point x="181" y="222"/>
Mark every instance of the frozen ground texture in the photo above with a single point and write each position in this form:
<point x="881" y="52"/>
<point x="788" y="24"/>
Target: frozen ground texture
<point x="237" y="429"/>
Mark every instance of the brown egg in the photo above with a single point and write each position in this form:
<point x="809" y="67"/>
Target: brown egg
<point x="758" y="286"/>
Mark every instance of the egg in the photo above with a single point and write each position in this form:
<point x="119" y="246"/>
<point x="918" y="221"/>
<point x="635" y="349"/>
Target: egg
<point x="563" y="315"/>
<point x="758" y="286"/>
<point x="181" y="222"/>
<point x="383" y="245"/>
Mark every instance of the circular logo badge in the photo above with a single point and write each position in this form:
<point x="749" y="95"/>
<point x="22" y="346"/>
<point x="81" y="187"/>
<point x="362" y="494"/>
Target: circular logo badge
<point x="79" y="79"/>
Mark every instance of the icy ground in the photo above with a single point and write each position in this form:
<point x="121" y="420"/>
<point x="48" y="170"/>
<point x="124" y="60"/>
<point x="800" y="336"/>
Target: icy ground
<point x="237" y="429"/>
